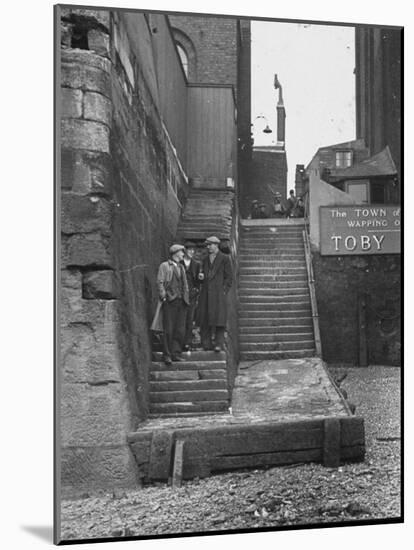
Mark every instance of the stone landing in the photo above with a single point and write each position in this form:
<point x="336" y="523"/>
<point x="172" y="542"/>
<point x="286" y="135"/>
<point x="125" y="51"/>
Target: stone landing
<point x="282" y="412"/>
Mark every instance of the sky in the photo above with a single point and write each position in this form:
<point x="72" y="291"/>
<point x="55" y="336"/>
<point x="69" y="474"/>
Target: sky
<point x="315" y="66"/>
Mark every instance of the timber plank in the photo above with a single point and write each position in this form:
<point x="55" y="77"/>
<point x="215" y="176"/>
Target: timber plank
<point x="160" y="454"/>
<point x="266" y="459"/>
<point x="332" y="442"/>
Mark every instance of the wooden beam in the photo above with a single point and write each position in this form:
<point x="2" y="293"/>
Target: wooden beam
<point x="178" y="463"/>
<point x="332" y="442"/>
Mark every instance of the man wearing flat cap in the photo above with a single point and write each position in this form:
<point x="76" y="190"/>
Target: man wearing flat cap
<point x="218" y="278"/>
<point x="173" y="291"/>
<point x="192" y="270"/>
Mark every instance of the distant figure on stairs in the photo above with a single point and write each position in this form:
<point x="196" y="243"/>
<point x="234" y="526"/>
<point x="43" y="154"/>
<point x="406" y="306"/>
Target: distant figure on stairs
<point x="254" y="210"/>
<point x="173" y="291"/>
<point x="192" y="270"/>
<point x="291" y="204"/>
<point x="217" y="278"/>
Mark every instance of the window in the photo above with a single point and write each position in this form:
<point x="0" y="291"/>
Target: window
<point x="343" y="159"/>
<point x="184" y="58"/>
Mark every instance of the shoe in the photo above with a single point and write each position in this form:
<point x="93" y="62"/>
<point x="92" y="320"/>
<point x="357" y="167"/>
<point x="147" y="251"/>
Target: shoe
<point x="167" y="360"/>
<point x="177" y="358"/>
<point x="217" y="348"/>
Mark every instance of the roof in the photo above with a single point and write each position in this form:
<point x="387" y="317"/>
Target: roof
<point x="380" y="164"/>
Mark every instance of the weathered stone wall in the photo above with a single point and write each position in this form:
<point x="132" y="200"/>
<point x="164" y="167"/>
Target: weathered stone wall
<point x="121" y="193"/>
<point x="343" y="281"/>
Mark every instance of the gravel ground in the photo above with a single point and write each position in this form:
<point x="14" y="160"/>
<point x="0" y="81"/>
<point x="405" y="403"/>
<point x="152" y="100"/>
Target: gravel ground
<point x="302" y="494"/>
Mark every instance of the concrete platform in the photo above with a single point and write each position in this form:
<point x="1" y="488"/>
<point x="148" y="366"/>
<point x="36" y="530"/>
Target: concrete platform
<point x="282" y="412"/>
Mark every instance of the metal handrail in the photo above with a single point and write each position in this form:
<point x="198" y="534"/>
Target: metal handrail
<point x="312" y="292"/>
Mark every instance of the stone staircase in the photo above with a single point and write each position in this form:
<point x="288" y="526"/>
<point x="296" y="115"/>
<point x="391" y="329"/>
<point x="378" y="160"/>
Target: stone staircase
<point x="199" y="384"/>
<point x="275" y="317"/>
<point x="196" y="386"/>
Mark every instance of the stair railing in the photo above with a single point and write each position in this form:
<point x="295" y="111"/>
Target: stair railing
<point x="312" y="292"/>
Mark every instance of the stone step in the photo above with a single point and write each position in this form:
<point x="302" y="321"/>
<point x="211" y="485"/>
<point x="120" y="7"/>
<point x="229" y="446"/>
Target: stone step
<point x="292" y="320"/>
<point x="266" y="299"/>
<point x="188" y="396"/>
<point x="249" y="338"/>
<point x="274" y="278"/>
<point x="191" y="356"/>
<point x="255" y="314"/>
<point x="271" y="292"/>
<point x="187" y="385"/>
<point x="272" y="231"/>
<point x="270" y="251"/>
<point x="271" y="266"/>
<point x="275" y="355"/>
<point x="274" y="273"/>
<point x="186" y="365"/>
<point x="189" y="375"/>
<point x="251" y="285"/>
<point x="275" y="307"/>
<point x="281" y="330"/>
<point x="271" y="257"/>
<point x="277" y="346"/>
<point x="169" y="409"/>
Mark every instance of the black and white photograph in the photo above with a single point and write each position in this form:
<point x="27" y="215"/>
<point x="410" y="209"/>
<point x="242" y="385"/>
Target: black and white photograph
<point x="228" y="194"/>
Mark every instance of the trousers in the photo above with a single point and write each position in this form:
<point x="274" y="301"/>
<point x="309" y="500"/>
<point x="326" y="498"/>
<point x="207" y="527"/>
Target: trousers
<point x="174" y="327"/>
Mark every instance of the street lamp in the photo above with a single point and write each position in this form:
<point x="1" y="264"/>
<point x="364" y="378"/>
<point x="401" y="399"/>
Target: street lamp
<point x="267" y="129"/>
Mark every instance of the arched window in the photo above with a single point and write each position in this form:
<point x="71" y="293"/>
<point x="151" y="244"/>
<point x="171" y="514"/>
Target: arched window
<point x="184" y="58"/>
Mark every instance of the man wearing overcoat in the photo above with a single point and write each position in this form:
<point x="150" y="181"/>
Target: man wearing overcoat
<point x="217" y="279"/>
<point x="192" y="270"/>
<point x="173" y="291"/>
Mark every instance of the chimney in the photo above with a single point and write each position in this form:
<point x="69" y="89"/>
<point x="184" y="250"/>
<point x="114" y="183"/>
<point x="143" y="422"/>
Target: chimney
<point x="281" y="113"/>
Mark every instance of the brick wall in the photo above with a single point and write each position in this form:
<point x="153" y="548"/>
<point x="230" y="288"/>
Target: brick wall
<point x="215" y="43"/>
<point x="341" y="282"/>
<point x="121" y="194"/>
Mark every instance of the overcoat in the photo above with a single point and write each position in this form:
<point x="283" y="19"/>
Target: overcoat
<point x="218" y="278"/>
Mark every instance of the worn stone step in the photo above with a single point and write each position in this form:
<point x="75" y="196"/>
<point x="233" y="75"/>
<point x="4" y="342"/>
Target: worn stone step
<point x="275" y="355"/>
<point x="248" y="338"/>
<point x="187" y="385"/>
<point x="198" y="355"/>
<point x="187" y="365"/>
<point x="274" y="308"/>
<point x="272" y="299"/>
<point x="288" y="320"/>
<point x="281" y="269"/>
<point x="274" y="278"/>
<point x="270" y="251"/>
<point x="273" y="230"/>
<point x="277" y="346"/>
<point x="280" y="330"/>
<point x="269" y="293"/>
<point x="276" y="256"/>
<point x="193" y="408"/>
<point x="251" y="285"/>
<point x="202" y="374"/>
<point x="188" y="396"/>
<point x="271" y="265"/>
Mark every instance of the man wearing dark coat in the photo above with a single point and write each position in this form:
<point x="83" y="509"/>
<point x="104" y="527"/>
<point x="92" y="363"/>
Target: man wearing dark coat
<point x="217" y="280"/>
<point x="192" y="270"/>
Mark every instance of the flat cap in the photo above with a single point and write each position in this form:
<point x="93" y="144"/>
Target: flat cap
<point x="175" y="248"/>
<point x="213" y="240"/>
<point x="189" y="244"/>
